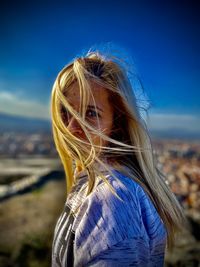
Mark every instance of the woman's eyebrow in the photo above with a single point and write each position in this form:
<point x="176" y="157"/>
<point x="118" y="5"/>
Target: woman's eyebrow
<point x="93" y="107"/>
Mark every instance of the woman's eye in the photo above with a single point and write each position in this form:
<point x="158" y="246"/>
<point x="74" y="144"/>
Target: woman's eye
<point x="91" y="113"/>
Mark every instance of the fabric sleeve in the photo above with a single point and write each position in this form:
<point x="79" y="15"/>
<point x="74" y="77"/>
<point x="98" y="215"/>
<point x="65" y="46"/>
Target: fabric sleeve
<point x="108" y="229"/>
<point x="129" y="252"/>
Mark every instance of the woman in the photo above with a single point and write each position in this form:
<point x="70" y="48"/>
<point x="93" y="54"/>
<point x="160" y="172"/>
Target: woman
<point x="119" y="210"/>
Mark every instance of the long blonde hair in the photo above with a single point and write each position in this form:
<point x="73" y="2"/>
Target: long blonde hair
<point x="129" y="150"/>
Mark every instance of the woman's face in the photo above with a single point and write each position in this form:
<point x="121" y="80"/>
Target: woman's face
<point x="104" y="110"/>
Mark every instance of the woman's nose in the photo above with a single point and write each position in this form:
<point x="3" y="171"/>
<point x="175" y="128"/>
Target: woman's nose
<point x="74" y="127"/>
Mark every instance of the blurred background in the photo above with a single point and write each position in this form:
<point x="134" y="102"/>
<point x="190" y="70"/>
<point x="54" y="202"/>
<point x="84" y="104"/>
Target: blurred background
<point x="161" y="40"/>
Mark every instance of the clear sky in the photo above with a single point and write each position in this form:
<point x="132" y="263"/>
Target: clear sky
<point x="162" y="38"/>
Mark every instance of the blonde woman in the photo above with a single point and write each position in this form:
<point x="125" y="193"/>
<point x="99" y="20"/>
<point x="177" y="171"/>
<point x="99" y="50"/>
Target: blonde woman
<point x="119" y="210"/>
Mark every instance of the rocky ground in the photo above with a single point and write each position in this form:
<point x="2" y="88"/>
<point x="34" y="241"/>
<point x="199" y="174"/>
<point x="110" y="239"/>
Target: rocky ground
<point x="27" y="222"/>
<point x="26" y="225"/>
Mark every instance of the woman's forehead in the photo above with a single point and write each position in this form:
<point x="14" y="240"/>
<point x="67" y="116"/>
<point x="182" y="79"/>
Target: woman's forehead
<point x="99" y="94"/>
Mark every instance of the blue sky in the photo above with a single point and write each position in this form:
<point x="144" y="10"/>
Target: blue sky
<point x="162" y="39"/>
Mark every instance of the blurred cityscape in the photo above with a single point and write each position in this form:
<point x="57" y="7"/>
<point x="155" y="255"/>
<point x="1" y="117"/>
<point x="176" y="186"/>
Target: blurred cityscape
<point x="180" y="162"/>
<point x="19" y="145"/>
<point x="31" y="172"/>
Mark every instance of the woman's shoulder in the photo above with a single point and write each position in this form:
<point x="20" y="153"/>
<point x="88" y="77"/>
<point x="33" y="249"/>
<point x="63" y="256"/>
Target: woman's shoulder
<point x="127" y="193"/>
<point x="114" y="209"/>
<point x="105" y="221"/>
<point x="138" y="201"/>
<point x="136" y="210"/>
<point x="126" y="187"/>
<point x="133" y="207"/>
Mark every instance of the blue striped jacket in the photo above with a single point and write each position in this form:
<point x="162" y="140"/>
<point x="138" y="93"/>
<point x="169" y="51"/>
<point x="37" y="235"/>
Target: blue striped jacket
<point x="106" y="232"/>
